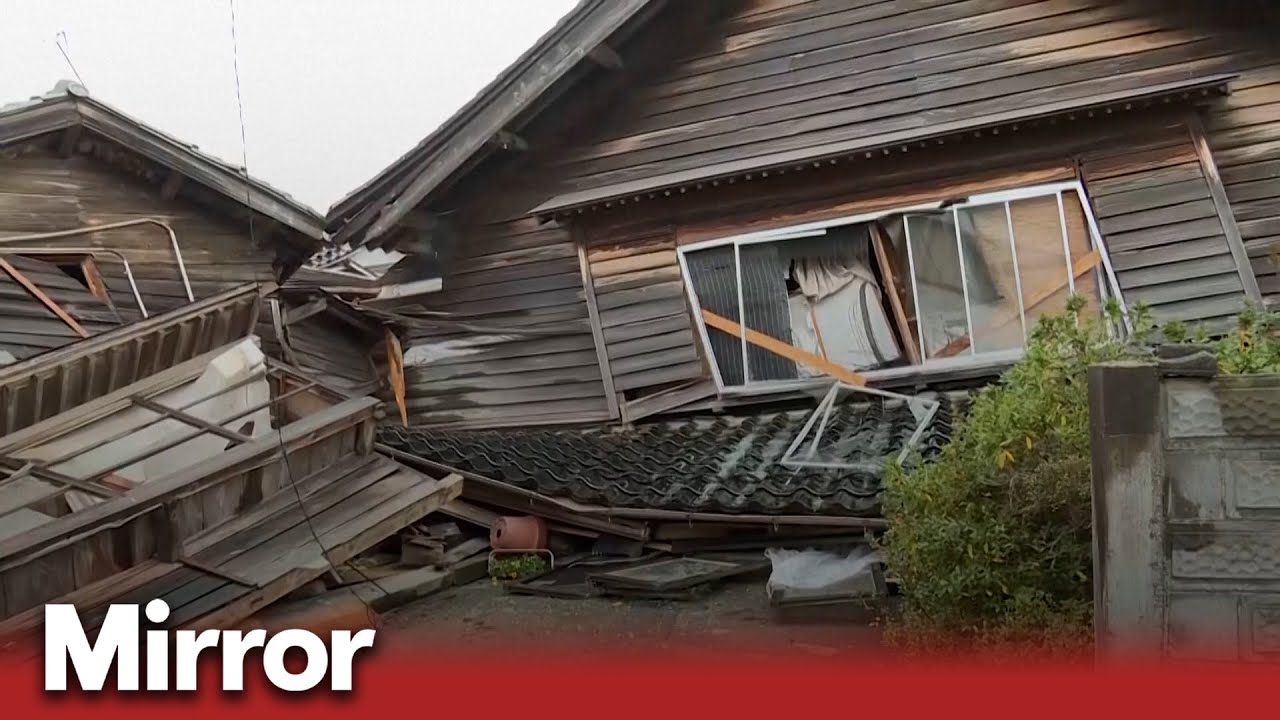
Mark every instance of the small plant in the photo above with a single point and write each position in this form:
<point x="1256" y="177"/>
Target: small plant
<point x="517" y="567"/>
<point x="1251" y="347"/>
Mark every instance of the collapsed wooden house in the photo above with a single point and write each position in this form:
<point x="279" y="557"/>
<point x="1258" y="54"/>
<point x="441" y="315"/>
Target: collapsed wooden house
<point x="949" y="169"/>
<point x="173" y="459"/>
<point x="667" y="218"/>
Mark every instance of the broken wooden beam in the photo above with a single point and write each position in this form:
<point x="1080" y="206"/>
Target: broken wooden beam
<point x="35" y="292"/>
<point x="791" y="352"/>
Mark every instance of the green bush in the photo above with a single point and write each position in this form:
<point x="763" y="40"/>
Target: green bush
<point x="992" y="539"/>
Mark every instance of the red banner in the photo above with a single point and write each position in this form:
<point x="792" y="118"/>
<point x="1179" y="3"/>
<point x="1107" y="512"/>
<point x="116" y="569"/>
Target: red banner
<point x="430" y="681"/>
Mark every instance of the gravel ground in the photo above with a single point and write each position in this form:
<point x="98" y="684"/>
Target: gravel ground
<point x="735" y="617"/>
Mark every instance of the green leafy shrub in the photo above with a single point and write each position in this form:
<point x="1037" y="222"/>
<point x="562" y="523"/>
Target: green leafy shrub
<point x="992" y="540"/>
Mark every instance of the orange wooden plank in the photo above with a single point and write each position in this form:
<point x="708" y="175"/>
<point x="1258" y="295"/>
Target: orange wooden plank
<point x="778" y="347"/>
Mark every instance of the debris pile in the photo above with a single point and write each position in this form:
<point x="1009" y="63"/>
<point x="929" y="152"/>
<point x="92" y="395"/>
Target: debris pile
<point x="170" y="458"/>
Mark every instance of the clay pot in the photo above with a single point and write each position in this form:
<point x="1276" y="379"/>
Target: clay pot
<point x="518" y="533"/>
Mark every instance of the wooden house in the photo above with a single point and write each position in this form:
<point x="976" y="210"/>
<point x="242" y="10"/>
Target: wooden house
<point x="110" y="220"/>
<point x="895" y="187"/>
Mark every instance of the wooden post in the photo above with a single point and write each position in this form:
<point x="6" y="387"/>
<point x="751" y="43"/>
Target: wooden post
<point x="1128" y="509"/>
<point x="597" y="330"/>
<point x="1226" y="216"/>
<point x="168" y="538"/>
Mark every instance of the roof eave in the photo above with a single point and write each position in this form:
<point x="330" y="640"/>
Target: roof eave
<point x="377" y="206"/>
<point x="216" y="175"/>
<point x="626" y="193"/>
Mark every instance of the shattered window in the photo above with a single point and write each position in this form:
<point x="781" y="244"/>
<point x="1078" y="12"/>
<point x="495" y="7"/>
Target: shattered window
<point x="959" y="280"/>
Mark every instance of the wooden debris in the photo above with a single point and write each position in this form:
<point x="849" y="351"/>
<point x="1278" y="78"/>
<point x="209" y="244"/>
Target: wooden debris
<point x="418" y="552"/>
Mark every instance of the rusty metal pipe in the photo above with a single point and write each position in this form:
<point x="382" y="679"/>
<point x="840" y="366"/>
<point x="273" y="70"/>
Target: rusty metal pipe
<point x="128" y="272"/>
<point x="173" y="241"/>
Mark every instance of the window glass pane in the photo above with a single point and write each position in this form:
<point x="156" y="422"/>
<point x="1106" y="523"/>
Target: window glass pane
<point x="1037" y="230"/>
<point x="939" y="285"/>
<point x="764" y="302"/>
<point x="714" y="280"/>
<point x="993" y="287"/>
<point x="1088" y="286"/>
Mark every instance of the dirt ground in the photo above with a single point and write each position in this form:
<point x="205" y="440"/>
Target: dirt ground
<point x="736" y="616"/>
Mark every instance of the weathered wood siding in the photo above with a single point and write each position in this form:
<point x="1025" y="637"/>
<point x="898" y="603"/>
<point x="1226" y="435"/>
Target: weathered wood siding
<point x="773" y="76"/>
<point x="331" y="352"/>
<point x="29" y="328"/>
<point x="1244" y="132"/>
<point x="1162" y="229"/>
<point x="643" y="312"/>
<point x="831" y="71"/>
<point x="41" y="191"/>
<point x="513" y="276"/>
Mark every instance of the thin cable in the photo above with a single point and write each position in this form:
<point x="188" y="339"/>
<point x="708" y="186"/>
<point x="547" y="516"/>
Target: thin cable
<point x="275" y="403"/>
<point x="58" y="40"/>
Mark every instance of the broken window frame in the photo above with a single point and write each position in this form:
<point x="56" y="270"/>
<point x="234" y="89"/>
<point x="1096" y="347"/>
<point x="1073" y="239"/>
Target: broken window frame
<point x="1107" y="284"/>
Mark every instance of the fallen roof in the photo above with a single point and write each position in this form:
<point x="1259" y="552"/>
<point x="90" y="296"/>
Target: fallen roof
<point x="725" y="465"/>
<point x="52" y="382"/>
<point x="69" y="105"/>
<point x="389" y="196"/>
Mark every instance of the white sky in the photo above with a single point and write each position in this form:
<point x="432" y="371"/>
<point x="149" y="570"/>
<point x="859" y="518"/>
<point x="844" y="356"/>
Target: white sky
<point x="333" y="90"/>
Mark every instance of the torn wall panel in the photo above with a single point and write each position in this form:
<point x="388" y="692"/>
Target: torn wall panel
<point x="233" y="385"/>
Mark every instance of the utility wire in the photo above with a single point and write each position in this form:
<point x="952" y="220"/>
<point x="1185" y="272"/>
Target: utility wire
<point x="60" y="40"/>
<point x="276" y="407"/>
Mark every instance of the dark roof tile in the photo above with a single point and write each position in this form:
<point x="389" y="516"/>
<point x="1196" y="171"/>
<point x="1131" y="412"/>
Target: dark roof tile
<point x="715" y="465"/>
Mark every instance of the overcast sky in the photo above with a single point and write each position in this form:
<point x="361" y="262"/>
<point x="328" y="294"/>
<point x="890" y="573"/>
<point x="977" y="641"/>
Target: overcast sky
<point x="333" y="90"/>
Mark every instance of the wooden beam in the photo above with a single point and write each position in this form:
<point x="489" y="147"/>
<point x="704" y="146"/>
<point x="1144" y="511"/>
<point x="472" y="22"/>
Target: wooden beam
<point x="778" y="347"/>
<point x="597" y="328"/>
<point x="172" y="184"/>
<point x="44" y="299"/>
<point x="277" y="323"/>
<point x="1082" y="265"/>
<point x="395" y="372"/>
<point x="93" y="279"/>
<point x="606" y="57"/>
<point x="189" y="419"/>
<point x="889" y="275"/>
<point x="152" y="494"/>
<point x="302" y="312"/>
<point x="1225" y="215"/>
<point x="67" y="143"/>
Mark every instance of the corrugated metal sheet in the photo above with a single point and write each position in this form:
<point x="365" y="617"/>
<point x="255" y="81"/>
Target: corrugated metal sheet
<point x="49" y="383"/>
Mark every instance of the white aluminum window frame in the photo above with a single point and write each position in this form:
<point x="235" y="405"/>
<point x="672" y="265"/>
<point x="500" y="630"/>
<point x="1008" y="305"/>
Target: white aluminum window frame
<point x="973" y="360"/>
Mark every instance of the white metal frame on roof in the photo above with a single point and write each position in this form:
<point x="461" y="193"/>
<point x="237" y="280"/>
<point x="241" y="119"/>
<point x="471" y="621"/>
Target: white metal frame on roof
<point x="923" y="409"/>
<point x="1108" y="284"/>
